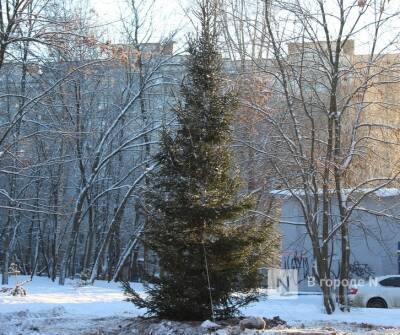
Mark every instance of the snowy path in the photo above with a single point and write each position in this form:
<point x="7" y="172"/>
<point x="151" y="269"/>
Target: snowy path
<point x="52" y="309"/>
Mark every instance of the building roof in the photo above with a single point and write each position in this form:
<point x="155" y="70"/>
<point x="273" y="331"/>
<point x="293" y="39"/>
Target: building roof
<point x="380" y="193"/>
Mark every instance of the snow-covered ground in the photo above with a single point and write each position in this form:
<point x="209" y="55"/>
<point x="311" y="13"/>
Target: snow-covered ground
<point x="100" y="309"/>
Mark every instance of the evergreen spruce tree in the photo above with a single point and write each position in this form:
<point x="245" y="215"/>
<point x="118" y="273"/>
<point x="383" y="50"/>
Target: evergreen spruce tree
<point x="206" y="251"/>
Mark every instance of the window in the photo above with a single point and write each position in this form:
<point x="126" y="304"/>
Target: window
<point x="391" y="282"/>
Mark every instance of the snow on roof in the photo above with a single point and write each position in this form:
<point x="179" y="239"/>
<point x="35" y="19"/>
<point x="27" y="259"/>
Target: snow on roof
<point x="381" y="193"/>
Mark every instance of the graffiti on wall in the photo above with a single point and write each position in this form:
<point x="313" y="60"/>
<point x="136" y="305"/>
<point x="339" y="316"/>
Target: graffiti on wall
<point x="360" y="270"/>
<point x="303" y="263"/>
<point x="299" y="260"/>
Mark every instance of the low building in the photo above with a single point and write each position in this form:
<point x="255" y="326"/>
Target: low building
<point x="374" y="231"/>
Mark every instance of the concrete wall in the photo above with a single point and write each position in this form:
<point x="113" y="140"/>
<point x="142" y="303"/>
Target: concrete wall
<point x="374" y="241"/>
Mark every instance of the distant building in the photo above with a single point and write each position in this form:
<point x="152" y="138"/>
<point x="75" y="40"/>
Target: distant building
<point x="379" y="98"/>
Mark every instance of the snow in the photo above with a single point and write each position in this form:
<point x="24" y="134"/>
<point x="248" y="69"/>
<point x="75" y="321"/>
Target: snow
<point x="387" y="192"/>
<point x="65" y="310"/>
<point x="308" y="310"/>
<point x="380" y="193"/>
<point x="53" y="309"/>
<point x="102" y="299"/>
<point x="209" y="325"/>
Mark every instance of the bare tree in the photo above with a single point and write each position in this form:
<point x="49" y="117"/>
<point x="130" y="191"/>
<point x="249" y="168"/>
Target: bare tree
<point x="77" y="135"/>
<point x="24" y="25"/>
<point x="323" y="124"/>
